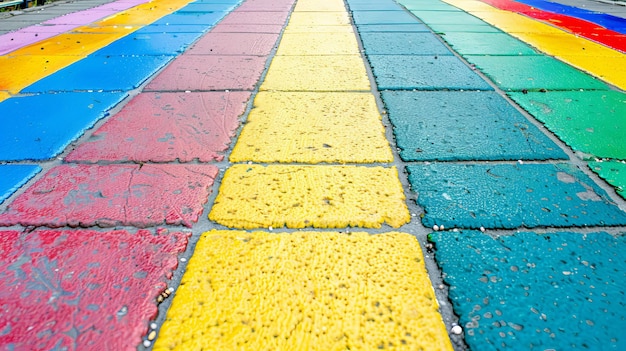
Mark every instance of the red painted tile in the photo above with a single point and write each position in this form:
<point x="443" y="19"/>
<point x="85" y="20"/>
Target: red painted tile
<point x="82" y="290"/>
<point x="247" y="28"/>
<point x="136" y="195"/>
<point x="256" y="17"/>
<point x="165" y="127"/>
<point x="208" y="72"/>
<point x="234" y="44"/>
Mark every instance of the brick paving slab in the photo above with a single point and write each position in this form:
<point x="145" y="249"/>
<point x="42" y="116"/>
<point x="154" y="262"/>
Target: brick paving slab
<point x="12" y="177"/>
<point x="306" y="290"/>
<point x="101" y="299"/>
<point x="167" y="127"/>
<point x="454" y="126"/>
<point x="237" y="44"/>
<point x="101" y="73"/>
<point x="135" y="195"/>
<point x="38" y="132"/>
<point x="614" y="172"/>
<point x="591" y="122"/>
<point x="254" y="196"/>
<point x="403" y="44"/>
<point x="209" y="72"/>
<point x="407" y="72"/>
<point x="504" y="196"/>
<point x="527" y="291"/>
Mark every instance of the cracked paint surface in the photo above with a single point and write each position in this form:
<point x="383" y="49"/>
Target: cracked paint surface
<point x="100" y="299"/>
<point x="138" y="195"/>
<point x="305" y="290"/>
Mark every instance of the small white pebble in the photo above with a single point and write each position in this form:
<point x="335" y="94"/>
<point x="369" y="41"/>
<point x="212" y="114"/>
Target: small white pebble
<point x="182" y="259"/>
<point x="441" y="227"/>
<point x="482" y="229"/>
<point x="146" y="343"/>
<point x="456" y="230"/>
<point x="227" y="90"/>
<point x="413" y="215"/>
<point x="457" y="330"/>
<point x="187" y="91"/>
<point x="520" y="162"/>
<point x="170" y="289"/>
<point x="441" y="286"/>
<point x="435" y="227"/>
<point x="153" y="325"/>
<point x="270" y="228"/>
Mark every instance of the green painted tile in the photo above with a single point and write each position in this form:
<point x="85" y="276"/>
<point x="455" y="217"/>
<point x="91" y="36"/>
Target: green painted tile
<point x="443" y="28"/>
<point x="590" y="122"/>
<point x="614" y="172"/>
<point x="487" y="44"/>
<point x="447" y="17"/>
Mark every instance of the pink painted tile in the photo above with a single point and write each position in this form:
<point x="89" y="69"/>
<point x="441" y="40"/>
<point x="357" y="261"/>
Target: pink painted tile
<point x="255" y="17"/>
<point x="209" y="72"/>
<point x="247" y="28"/>
<point x="135" y="195"/>
<point x="82" y="289"/>
<point x="12" y="41"/>
<point x="165" y="127"/>
<point x="266" y="5"/>
<point x="234" y="44"/>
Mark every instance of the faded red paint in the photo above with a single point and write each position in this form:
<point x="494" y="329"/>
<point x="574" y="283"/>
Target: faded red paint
<point x="82" y="290"/>
<point x="134" y="195"/>
<point x="165" y="127"/>
<point x="209" y="72"/>
<point x="581" y="27"/>
<point x="258" y="44"/>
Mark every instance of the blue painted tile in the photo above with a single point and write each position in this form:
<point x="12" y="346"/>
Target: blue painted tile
<point x="150" y="44"/>
<point x="383" y="17"/>
<point x="424" y="73"/>
<point x="207" y="7"/>
<point x="403" y="44"/>
<point x="41" y="126"/>
<point x="12" y="177"/>
<point x="527" y="291"/>
<point x="415" y="27"/>
<point x="511" y="196"/>
<point x="101" y="73"/>
<point x="204" y="18"/>
<point x="453" y="126"/>
<point x="174" y="28"/>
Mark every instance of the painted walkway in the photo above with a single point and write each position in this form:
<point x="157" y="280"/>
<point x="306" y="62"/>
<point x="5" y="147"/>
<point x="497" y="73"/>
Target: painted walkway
<point x="313" y="175"/>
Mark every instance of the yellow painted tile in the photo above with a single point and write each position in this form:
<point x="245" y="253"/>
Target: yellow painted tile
<point x="317" y="73"/>
<point x="144" y="14"/>
<point x="609" y="69"/>
<point x="565" y="44"/>
<point x="254" y="196"/>
<point x="294" y="28"/>
<point x="304" y="291"/>
<point x="512" y="22"/>
<point x="319" y="18"/>
<point x="315" y="5"/>
<point x="69" y="44"/>
<point x="4" y="95"/>
<point x="313" y="127"/>
<point x="106" y="29"/>
<point x="318" y="44"/>
<point x="18" y="72"/>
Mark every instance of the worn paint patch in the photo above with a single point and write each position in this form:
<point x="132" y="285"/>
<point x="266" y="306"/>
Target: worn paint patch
<point x="591" y="122"/>
<point x="528" y="291"/>
<point x="39" y="132"/>
<point x="534" y="73"/>
<point x="614" y="172"/>
<point x="312" y="128"/>
<point x="511" y="196"/>
<point x="398" y="43"/>
<point x="102" y="298"/>
<point x="317" y="73"/>
<point x="167" y="127"/>
<point x="13" y="176"/>
<point x="253" y="44"/>
<point x="452" y="126"/>
<point x="101" y="73"/>
<point x="209" y="72"/>
<point x="407" y="72"/>
<point x="475" y="43"/>
<point x="136" y="195"/>
<point x="313" y="43"/>
<point x="306" y="290"/>
<point x="253" y="196"/>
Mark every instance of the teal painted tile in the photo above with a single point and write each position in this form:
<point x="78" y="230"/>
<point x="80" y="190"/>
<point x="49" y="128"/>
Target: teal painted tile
<point x="374" y="6"/>
<point x="414" y="27"/>
<point x="424" y="73"/>
<point x="13" y="176"/>
<point x="43" y="125"/>
<point x="427" y="6"/>
<point x="487" y="44"/>
<point x="403" y="44"/>
<point x="527" y="291"/>
<point x="590" y="122"/>
<point x="453" y="126"/>
<point x="463" y="28"/>
<point x="614" y="172"/>
<point x="383" y="17"/>
<point x="534" y="73"/>
<point x="511" y="196"/>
